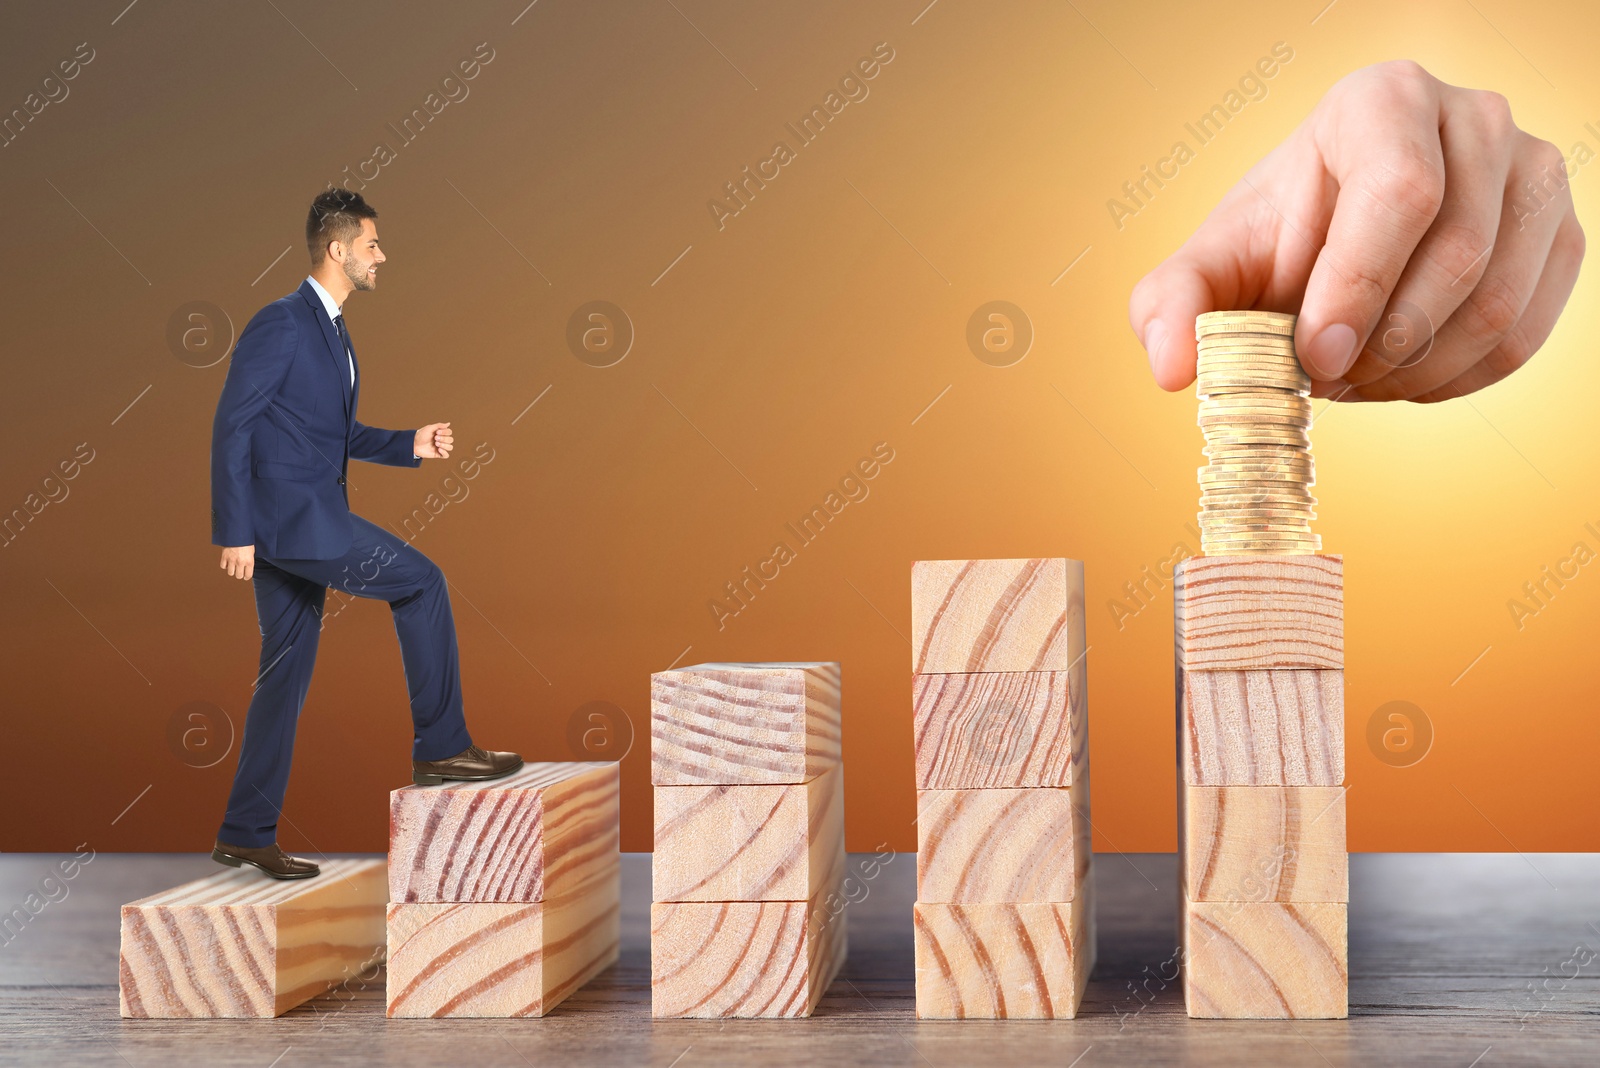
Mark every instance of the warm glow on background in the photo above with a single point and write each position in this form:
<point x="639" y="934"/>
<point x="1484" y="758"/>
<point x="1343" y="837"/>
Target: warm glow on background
<point x="772" y="350"/>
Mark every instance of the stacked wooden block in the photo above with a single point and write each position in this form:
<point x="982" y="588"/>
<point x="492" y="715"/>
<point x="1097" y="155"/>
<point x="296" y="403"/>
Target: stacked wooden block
<point x="747" y="918"/>
<point x="238" y="944"/>
<point x="503" y="895"/>
<point x="1260" y="648"/>
<point x="1004" y="915"/>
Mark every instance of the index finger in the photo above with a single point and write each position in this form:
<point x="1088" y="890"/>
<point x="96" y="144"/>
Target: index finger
<point x="1380" y="143"/>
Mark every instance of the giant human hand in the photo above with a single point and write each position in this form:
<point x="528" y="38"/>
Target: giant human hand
<point x="1427" y="244"/>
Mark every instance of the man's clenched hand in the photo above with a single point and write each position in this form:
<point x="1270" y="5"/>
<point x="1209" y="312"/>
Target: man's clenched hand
<point x="239" y="561"/>
<point x="1427" y="244"/>
<point x="434" y="442"/>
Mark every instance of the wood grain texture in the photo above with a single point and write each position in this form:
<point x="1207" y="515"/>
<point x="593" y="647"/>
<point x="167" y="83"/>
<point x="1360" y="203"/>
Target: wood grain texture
<point x="749" y="842"/>
<point x="501" y="959"/>
<point x="1266" y="960"/>
<point x="1264" y="843"/>
<point x="506" y="839"/>
<point x="1254" y="612"/>
<point x="1000" y="729"/>
<point x="996" y="615"/>
<point x="1002" y="846"/>
<point x="237" y="944"/>
<point x="725" y="959"/>
<point x="722" y="724"/>
<point x="1003" y="962"/>
<point x="1261" y="728"/>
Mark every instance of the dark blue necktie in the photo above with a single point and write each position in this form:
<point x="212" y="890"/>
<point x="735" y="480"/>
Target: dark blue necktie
<point x="349" y="350"/>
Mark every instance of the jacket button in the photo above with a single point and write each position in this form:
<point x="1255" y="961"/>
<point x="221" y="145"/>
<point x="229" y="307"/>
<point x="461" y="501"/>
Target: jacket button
<point x="341" y="480"/>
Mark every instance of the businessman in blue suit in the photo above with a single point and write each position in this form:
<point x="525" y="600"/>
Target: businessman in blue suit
<point x="281" y="446"/>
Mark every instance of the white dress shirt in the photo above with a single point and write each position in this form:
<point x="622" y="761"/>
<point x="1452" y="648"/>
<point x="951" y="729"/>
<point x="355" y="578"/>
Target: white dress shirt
<point x="333" y="313"/>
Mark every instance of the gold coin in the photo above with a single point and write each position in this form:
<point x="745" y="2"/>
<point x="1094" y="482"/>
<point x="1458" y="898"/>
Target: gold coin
<point x="1212" y="387"/>
<point x="1245" y="362"/>
<point x="1279" y="400"/>
<point x="1248" y="423"/>
<point x="1243" y="328"/>
<point x="1257" y="553"/>
<point x="1245" y="320"/>
<point x="1246" y="348"/>
<point x="1282" y="401"/>
<point x="1258" y="434"/>
<point x="1287" y="537"/>
<point x="1285" y="378"/>
<point x="1298" y="519"/>
<point x="1264" y="452"/>
<point x="1259" y="547"/>
<point x="1222" y="477"/>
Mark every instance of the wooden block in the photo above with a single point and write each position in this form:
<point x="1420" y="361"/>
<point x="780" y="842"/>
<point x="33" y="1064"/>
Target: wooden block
<point x="506" y="839"/>
<point x="721" y="959"/>
<point x="501" y="959"/>
<point x="1000" y="729"/>
<point x="1265" y="843"/>
<point x="237" y="944"/>
<point x="749" y="843"/>
<point x="720" y="724"/>
<point x="998" y="962"/>
<point x="1266" y="960"/>
<point x="1002" y="846"/>
<point x="996" y="615"/>
<point x="1261" y="728"/>
<point x="1250" y="612"/>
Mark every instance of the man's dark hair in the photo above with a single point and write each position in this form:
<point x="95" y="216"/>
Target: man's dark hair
<point x="336" y="215"/>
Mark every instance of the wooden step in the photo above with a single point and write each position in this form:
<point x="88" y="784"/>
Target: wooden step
<point x="996" y="615"/>
<point x="240" y="944"/>
<point x="749" y="842"/>
<point x="717" y="959"/>
<point x="1241" y="613"/>
<point x="507" y="839"/>
<point x="1000" y="729"/>
<point x="1002" y="846"/>
<point x="502" y="959"/>
<point x="1281" y="727"/>
<point x="1264" y="843"/>
<point x="991" y="961"/>
<point x="723" y="724"/>
<point x="1266" y="960"/>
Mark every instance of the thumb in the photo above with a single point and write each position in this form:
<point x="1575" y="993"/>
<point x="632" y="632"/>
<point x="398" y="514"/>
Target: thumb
<point x="1162" y="311"/>
<point x="1208" y="273"/>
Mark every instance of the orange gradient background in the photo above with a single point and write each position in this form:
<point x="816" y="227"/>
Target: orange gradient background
<point x="770" y="355"/>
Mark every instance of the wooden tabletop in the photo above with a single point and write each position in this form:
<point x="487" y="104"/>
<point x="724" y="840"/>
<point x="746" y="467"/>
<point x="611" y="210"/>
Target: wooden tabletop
<point x="1481" y="959"/>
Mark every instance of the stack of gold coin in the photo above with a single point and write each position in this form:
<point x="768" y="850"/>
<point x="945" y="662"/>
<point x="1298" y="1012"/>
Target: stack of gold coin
<point x="1255" y="411"/>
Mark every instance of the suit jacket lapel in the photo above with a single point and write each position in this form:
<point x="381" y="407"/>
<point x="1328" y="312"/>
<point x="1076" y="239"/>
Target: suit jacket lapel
<point x="330" y="336"/>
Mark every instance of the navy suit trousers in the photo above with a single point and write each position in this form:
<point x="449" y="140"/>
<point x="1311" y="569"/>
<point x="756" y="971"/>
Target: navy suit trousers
<point x="289" y="608"/>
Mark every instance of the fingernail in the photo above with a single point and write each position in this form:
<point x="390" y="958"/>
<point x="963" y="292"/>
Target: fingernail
<point x="1155" y="339"/>
<point x="1332" y="351"/>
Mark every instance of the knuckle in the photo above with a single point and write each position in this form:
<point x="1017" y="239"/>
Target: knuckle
<point x="1493" y="307"/>
<point x="1494" y="110"/>
<point x="1409" y="183"/>
<point x="1574" y="239"/>
<point x="1514" y="350"/>
<point x="1458" y="247"/>
<point x="1406" y="81"/>
<point x="1546" y="157"/>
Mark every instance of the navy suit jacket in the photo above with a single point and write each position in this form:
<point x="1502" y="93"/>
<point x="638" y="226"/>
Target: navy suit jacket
<point x="285" y="433"/>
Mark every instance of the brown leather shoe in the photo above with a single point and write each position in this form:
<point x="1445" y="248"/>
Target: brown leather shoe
<point x="470" y="765"/>
<point x="270" y="859"/>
